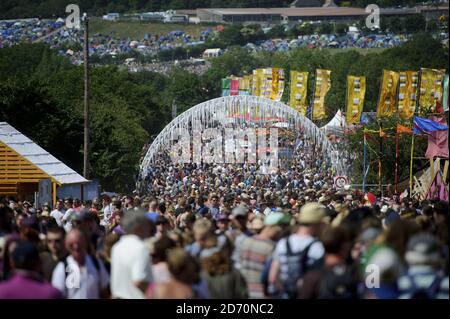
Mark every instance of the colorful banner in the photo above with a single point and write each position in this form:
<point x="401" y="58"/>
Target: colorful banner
<point x="323" y="84"/>
<point x="256" y="82"/>
<point x="277" y="84"/>
<point x="226" y="84"/>
<point x="234" y="87"/>
<point x="245" y="85"/>
<point x="431" y="89"/>
<point x="299" y="89"/>
<point x="388" y="94"/>
<point x="356" y="90"/>
<point x="407" y="93"/>
<point x="445" y="100"/>
<point x="438" y="140"/>
<point x="266" y="83"/>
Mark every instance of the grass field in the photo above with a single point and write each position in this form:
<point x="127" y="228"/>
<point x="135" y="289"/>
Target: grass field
<point x="136" y="30"/>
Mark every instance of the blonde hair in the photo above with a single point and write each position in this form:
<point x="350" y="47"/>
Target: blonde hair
<point x="202" y="227"/>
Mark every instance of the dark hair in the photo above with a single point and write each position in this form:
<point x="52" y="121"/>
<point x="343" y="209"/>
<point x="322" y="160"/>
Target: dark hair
<point x="26" y="256"/>
<point x="398" y="234"/>
<point x="333" y="238"/>
<point x="118" y="204"/>
<point x="56" y="229"/>
<point x="160" y="248"/>
<point x="427" y="211"/>
<point x="162" y="208"/>
<point x="6" y="214"/>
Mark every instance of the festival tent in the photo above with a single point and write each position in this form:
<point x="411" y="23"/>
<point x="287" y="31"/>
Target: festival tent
<point x="336" y="126"/>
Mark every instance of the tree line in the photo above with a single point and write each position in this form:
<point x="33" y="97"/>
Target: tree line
<point x="41" y="95"/>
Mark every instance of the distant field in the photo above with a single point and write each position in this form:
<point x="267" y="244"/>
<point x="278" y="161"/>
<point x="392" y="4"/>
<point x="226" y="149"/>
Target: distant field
<point x="136" y="30"/>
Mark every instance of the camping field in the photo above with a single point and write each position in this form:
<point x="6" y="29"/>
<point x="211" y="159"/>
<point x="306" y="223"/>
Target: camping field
<point x="136" y="29"/>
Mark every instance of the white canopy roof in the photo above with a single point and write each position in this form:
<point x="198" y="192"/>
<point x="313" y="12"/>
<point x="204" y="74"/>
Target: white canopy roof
<point x="38" y="156"/>
<point x="336" y="125"/>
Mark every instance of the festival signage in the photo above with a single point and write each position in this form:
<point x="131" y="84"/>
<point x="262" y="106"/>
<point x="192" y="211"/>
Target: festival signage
<point x="388" y="94"/>
<point x="356" y="90"/>
<point x="299" y="89"/>
<point x="431" y="89"/>
<point x="323" y="84"/>
<point x="407" y="93"/>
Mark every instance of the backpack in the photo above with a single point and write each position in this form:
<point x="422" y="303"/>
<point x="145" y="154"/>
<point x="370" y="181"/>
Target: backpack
<point x="290" y="285"/>
<point x="338" y="283"/>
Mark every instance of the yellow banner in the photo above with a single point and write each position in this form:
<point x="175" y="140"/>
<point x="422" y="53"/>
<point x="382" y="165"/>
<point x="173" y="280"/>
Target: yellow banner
<point x="407" y="93"/>
<point x="244" y="83"/>
<point x="299" y="89"/>
<point x="431" y="88"/>
<point x="256" y="82"/>
<point x="323" y="84"/>
<point x="388" y="94"/>
<point x="277" y="84"/>
<point x="356" y="90"/>
<point x="266" y="83"/>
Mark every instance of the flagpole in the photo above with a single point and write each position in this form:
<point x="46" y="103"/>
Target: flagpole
<point x="396" y="162"/>
<point x="364" y="163"/>
<point x="379" y="159"/>
<point x="411" y="167"/>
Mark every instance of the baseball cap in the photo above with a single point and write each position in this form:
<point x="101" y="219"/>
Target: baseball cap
<point x="311" y="213"/>
<point x="276" y="218"/>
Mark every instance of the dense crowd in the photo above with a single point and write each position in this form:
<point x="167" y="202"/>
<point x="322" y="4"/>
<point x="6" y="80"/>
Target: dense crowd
<point x="230" y="231"/>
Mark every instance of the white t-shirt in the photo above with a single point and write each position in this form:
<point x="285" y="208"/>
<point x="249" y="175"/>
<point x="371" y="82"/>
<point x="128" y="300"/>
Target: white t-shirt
<point x="130" y="263"/>
<point x="107" y="212"/>
<point x="57" y="215"/>
<point x="67" y="219"/>
<point x="90" y="280"/>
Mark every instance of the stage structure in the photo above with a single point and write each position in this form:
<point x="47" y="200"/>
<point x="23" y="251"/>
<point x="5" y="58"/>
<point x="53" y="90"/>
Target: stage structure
<point x="238" y="112"/>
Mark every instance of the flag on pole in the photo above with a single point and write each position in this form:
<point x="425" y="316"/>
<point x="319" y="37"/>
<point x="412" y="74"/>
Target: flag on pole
<point x="388" y="94"/>
<point x="403" y="129"/>
<point x="431" y="89"/>
<point x="438" y="141"/>
<point x="407" y="93"/>
<point x="445" y="100"/>
<point x="356" y="90"/>
<point x="299" y="88"/>
<point x="323" y="84"/>
<point x="424" y="125"/>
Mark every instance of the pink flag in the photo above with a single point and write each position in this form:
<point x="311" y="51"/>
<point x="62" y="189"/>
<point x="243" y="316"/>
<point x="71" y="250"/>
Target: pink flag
<point x="437" y="141"/>
<point x="437" y="189"/>
<point x="234" y="87"/>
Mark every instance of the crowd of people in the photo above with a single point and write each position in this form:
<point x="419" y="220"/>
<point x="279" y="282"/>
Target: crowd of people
<point x="230" y="231"/>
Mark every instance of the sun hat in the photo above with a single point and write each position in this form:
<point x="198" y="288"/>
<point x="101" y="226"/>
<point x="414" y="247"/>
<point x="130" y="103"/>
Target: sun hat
<point x="311" y="213"/>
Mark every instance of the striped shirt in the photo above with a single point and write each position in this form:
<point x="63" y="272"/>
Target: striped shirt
<point x="253" y="256"/>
